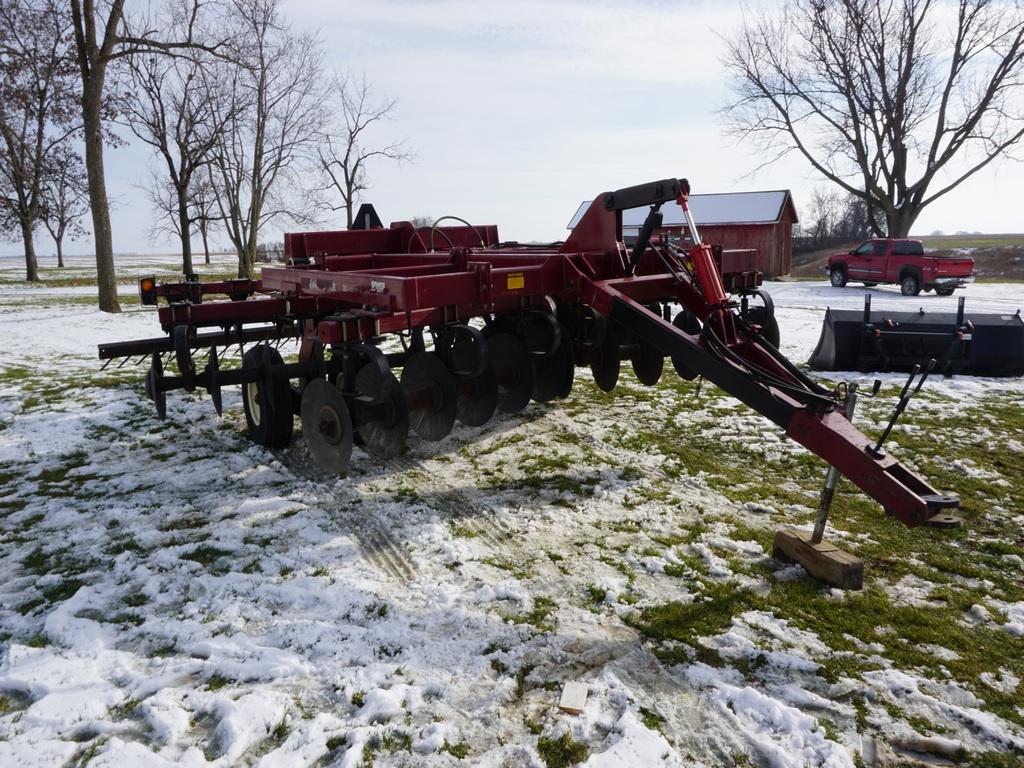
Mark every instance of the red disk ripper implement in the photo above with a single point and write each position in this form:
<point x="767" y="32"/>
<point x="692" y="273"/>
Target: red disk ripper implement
<point x="486" y="326"/>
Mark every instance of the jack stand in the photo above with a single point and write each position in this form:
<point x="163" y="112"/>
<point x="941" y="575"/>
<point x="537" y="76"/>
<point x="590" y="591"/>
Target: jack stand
<point x="822" y="560"/>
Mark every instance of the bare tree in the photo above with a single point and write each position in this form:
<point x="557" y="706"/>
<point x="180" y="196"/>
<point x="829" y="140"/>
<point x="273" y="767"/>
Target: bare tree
<point x="344" y="157"/>
<point x="65" y="198"/>
<point x="824" y="212"/>
<point x="886" y="98"/>
<point x="832" y="217"/>
<point x="170" y="108"/>
<point x="261" y="165"/>
<point x="203" y="204"/>
<point x="102" y="36"/>
<point x="37" y="100"/>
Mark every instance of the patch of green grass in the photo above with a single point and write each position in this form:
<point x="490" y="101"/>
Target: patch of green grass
<point x="459" y="751"/>
<point x="710" y="614"/>
<point x="370" y="749"/>
<point x="561" y="752"/>
<point x="596" y="595"/>
<point x="942" y="242"/>
<point x="63" y="591"/>
<point x="183" y="524"/>
<point x="87" y="754"/>
<point x="517" y="570"/>
<point x="538" y="616"/>
<point x="406" y="494"/>
<point x="463" y="532"/>
<point x="164" y="650"/>
<point x="336" y="742"/>
<point x="652" y="719"/>
<point x="395" y="740"/>
<point x="205" y="555"/>
<point x="358" y="698"/>
<point x="120" y="546"/>
<point x="136" y="600"/>
<point x="992" y="760"/>
<point x="58" y="474"/>
<point x="37" y="641"/>
<point x="30" y="605"/>
<point x="494" y="646"/>
<point x="216" y="681"/>
<point x="11" y="504"/>
<point x="521" y="674"/>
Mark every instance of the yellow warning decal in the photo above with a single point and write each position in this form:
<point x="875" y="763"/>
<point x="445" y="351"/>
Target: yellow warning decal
<point x="516" y="280"/>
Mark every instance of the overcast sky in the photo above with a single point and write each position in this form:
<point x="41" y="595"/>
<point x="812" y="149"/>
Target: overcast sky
<point x="518" y="111"/>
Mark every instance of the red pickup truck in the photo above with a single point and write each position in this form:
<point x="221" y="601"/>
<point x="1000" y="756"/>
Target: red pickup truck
<point x="900" y="261"/>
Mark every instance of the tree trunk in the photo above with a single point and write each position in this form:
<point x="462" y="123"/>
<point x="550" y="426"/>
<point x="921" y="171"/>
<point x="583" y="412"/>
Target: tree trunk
<point x="186" y="234"/>
<point x="106" y="281"/>
<point x="60" y="252"/>
<point x="206" y="242"/>
<point x="348" y="212"/>
<point x="901" y="220"/>
<point x="31" y="265"/>
<point x="247" y="261"/>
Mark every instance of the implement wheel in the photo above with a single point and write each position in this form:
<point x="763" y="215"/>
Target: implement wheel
<point x="267" y="401"/>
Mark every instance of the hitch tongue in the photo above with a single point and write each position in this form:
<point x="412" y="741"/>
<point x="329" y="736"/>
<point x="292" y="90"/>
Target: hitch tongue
<point x="905" y="397"/>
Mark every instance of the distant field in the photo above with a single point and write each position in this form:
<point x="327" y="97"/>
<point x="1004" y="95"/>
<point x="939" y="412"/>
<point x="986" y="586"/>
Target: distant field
<point x="973" y="241"/>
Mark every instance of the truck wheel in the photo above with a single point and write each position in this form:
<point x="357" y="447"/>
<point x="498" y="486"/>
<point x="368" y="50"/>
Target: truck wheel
<point x="870" y="285"/>
<point x="837" y="277"/>
<point x="909" y="285"/>
<point x="944" y="291"/>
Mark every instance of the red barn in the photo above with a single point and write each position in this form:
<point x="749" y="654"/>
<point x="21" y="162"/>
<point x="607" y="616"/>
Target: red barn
<point x="762" y="221"/>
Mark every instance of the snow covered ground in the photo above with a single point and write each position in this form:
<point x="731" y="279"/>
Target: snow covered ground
<point x="171" y="594"/>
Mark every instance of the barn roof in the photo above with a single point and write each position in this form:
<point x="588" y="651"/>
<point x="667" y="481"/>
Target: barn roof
<point x="718" y="208"/>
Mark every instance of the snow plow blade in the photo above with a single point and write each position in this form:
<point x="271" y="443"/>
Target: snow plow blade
<point x="974" y="344"/>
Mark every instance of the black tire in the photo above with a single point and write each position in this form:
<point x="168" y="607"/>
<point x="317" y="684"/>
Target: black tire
<point x="870" y="285"/>
<point x="269" y="415"/>
<point x="945" y="291"/>
<point x="910" y="285"/>
<point x="837" y="276"/>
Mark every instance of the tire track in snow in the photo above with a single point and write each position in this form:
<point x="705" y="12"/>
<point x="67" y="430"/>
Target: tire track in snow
<point x="384" y="553"/>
